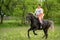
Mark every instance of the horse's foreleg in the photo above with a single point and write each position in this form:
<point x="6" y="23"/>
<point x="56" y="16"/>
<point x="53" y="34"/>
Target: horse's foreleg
<point x="46" y="34"/>
<point x="34" y="32"/>
<point x="28" y="32"/>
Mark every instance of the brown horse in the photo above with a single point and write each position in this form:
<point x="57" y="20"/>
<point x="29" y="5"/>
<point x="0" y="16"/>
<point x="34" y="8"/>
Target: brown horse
<point x="35" y="25"/>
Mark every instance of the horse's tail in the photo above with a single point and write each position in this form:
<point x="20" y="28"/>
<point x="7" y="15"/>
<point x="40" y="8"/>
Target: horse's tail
<point x="52" y="26"/>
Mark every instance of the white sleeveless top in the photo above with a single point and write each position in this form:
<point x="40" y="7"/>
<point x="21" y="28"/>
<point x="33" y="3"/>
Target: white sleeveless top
<point x="38" y="11"/>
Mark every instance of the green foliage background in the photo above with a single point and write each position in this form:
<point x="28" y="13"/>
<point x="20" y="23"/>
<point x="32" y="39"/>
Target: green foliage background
<point x="19" y="8"/>
<point x="15" y="12"/>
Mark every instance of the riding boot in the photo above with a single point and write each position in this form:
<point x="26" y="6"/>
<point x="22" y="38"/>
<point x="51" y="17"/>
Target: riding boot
<point x="41" y="23"/>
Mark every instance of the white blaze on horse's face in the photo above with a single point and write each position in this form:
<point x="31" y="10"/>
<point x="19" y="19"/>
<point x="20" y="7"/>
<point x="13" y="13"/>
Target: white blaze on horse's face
<point x="27" y="19"/>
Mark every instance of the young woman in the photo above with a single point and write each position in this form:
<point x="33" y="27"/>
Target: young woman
<point x="39" y="13"/>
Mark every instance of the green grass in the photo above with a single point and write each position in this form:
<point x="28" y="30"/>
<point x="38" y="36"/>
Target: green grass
<point x="13" y="30"/>
<point x="12" y="23"/>
<point x="20" y="33"/>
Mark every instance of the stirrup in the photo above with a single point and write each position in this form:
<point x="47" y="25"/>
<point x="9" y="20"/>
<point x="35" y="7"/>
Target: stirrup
<point x="40" y="26"/>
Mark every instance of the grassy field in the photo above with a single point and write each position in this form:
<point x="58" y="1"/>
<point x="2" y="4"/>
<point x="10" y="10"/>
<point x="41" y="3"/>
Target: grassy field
<point x="14" y="31"/>
<point x="20" y="33"/>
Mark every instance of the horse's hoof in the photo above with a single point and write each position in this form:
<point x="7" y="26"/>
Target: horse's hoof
<point x="43" y="36"/>
<point x="35" y="34"/>
<point x="28" y="37"/>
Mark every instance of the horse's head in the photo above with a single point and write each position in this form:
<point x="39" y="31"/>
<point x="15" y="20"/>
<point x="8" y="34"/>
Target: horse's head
<point x="29" y="17"/>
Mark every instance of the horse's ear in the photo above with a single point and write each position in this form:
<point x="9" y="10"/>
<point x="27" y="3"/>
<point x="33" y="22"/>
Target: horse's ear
<point x="30" y="13"/>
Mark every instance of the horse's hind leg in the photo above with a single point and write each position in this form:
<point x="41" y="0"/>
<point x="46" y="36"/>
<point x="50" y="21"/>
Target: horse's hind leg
<point x="29" y="31"/>
<point x="43" y="36"/>
<point x="46" y="34"/>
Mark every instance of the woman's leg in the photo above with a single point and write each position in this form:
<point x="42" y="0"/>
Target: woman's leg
<point x="40" y="22"/>
<point x="40" y="19"/>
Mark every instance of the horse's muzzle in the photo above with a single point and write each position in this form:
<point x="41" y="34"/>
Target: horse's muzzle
<point x="26" y="21"/>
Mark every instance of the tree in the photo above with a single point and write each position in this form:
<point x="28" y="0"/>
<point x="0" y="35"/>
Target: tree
<point x="23" y="7"/>
<point x="6" y="7"/>
<point x="52" y="10"/>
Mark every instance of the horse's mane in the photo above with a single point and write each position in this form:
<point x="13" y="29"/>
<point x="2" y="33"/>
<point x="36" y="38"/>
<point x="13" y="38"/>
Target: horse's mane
<point x="32" y="15"/>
